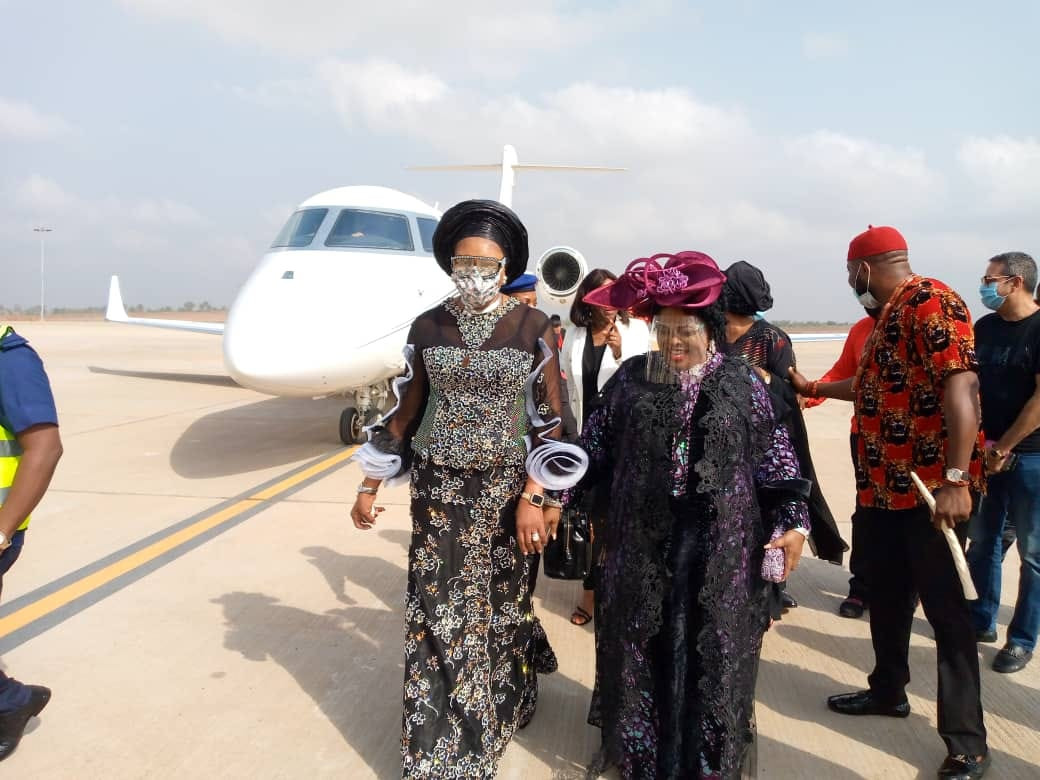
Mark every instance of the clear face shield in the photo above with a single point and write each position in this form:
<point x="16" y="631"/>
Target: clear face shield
<point x="679" y="347"/>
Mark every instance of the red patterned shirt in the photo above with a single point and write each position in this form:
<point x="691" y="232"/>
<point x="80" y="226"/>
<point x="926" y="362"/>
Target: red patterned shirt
<point x="925" y="337"/>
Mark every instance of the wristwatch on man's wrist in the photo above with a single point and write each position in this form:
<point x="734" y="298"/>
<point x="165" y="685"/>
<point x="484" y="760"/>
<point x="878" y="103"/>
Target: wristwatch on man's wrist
<point x="4" y="541"/>
<point x="534" y="499"/>
<point x="957" y="478"/>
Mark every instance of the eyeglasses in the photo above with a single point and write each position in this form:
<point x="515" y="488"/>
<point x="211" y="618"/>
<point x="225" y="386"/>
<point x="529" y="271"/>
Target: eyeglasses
<point x="485" y="266"/>
<point x="992" y="279"/>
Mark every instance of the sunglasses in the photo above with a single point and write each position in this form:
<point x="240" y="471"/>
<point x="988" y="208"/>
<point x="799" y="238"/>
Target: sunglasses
<point x="485" y="266"/>
<point x="992" y="279"/>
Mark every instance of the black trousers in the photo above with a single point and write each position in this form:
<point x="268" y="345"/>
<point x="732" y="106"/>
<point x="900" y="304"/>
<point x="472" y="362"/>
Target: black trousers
<point x="908" y="557"/>
<point x="859" y="582"/>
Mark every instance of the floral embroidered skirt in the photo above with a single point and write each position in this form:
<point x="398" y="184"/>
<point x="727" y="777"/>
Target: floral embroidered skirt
<point x="473" y="646"/>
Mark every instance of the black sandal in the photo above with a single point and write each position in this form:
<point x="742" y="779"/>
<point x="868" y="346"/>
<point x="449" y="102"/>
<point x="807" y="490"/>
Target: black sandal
<point x="579" y="616"/>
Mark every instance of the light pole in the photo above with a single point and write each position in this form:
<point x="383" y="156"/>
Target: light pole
<point x="43" y="231"/>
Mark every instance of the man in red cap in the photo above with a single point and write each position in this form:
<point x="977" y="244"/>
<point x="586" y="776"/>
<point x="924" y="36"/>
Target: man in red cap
<point x="916" y="403"/>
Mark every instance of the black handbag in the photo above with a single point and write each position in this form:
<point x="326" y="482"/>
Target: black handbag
<point x="569" y="555"/>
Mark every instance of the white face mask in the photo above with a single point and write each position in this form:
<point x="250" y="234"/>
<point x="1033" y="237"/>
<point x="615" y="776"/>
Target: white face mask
<point x="476" y="290"/>
<point x="866" y="299"/>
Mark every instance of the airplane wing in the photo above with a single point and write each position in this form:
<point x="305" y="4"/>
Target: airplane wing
<point x="116" y="312"/>
<point x="796" y="337"/>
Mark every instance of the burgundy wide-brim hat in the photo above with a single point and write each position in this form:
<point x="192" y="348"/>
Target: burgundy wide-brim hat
<point x="686" y="280"/>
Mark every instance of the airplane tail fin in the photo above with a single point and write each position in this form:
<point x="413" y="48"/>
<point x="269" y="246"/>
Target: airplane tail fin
<point x="116" y="311"/>
<point x="509" y="166"/>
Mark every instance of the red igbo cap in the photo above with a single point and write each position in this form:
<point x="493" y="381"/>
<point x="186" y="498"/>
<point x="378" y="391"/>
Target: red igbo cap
<point x="876" y="241"/>
<point x="688" y="281"/>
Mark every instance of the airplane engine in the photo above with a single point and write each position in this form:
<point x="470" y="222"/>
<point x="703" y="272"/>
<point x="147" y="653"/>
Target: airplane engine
<point x="560" y="271"/>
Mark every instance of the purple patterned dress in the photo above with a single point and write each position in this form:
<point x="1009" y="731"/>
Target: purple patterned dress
<point x="681" y="601"/>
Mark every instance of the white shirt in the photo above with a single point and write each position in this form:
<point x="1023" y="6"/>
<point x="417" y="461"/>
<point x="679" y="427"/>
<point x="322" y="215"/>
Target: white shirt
<point x="635" y="340"/>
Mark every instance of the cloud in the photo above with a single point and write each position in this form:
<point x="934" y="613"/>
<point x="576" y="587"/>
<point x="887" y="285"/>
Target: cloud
<point x="379" y="92"/>
<point x="166" y="249"/>
<point x="278" y="94"/>
<point x="39" y="195"/>
<point x="161" y="211"/>
<point x="824" y="46"/>
<point x="858" y="176"/>
<point x="1005" y="169"/>
<point x="497" y="36"/>
<point x="577" y="121"/>
<point x="701" y="175"/>
<point x="22" y="122"/>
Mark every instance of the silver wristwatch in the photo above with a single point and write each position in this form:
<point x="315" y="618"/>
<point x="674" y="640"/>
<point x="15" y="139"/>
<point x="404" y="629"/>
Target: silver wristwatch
<point x="365" y="489"/>
<point x="957" y="477"/>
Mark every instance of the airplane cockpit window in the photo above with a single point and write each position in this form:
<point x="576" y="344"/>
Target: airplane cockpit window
<point x="370" y="230"/>
<point x="426" y="228"/>
<point x="301" y="228"/>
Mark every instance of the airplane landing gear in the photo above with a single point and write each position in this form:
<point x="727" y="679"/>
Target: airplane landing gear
<point x="350" y="426"/>
<point x="366" y="411"/>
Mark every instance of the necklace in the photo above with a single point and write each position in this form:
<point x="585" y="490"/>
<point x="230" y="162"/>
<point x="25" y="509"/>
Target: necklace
<point x="476" y="327"/>
<point x="882" y="322"/>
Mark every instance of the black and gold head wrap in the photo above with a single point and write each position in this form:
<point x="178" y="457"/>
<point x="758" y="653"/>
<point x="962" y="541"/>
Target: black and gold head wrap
<point x="482" y="219"/>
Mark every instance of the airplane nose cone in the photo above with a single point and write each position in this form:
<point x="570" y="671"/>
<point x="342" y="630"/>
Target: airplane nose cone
<point x="295" y="350"/>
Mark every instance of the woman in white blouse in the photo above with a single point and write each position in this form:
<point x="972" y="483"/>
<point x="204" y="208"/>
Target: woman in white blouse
<point x="593" y="349"/>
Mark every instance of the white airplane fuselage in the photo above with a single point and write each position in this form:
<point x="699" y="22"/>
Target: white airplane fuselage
<point x="317" y="322"/>
<point x="323" y="319"/>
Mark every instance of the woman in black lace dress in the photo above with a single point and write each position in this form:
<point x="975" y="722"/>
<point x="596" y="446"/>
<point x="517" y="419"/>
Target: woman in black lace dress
<point x="769" y="351"/>
<point x="702" y="479"/>
<point x="476" y="419"/>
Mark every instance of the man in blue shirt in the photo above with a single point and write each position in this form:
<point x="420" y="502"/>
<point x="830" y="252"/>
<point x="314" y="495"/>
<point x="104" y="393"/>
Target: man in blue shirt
<point x="29" y="451"/>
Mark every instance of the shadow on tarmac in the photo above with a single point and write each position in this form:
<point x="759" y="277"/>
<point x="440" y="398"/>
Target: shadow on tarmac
<point x="266" y="434"/>
<point x="344" y="659"/>
<point x="166" y="376"/>
<point x="352" y="655"/>
<point x="348" y="660"/>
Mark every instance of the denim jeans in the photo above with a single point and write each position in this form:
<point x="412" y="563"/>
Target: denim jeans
<point x="1014" y="497"/>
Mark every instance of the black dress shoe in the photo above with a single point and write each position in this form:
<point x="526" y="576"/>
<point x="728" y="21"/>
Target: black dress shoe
<point x="1011" y="658"/>
<point x="787" y="601"/>
<point x="852" y="607"/>
<point x="964" y="767"/>
<point x="985" y="636"/>
<point x="12" y="724"/>
<point x="864" y="703"/>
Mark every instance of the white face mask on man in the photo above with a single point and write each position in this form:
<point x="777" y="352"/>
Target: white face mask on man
<point x="866" y="299"/>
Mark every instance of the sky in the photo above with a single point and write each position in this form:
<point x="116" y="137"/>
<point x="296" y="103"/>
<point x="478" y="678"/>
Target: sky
<point x="168" y="140"/>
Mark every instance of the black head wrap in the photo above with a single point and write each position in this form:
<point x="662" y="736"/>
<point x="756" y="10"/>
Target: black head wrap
<point x="746" y="290"/>
<point x="482" y="219"/>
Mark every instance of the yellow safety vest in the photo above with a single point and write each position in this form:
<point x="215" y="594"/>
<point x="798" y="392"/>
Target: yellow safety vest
<point x="10" y="453"/>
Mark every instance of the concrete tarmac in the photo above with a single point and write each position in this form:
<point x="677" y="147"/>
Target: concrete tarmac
<point x="195" y="595"/>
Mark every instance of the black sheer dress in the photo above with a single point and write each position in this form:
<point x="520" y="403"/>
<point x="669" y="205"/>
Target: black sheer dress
<point x="463" y="423"/>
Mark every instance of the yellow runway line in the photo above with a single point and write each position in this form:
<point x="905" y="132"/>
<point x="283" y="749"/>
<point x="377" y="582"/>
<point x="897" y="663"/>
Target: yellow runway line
<point x="59" y="598"/>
